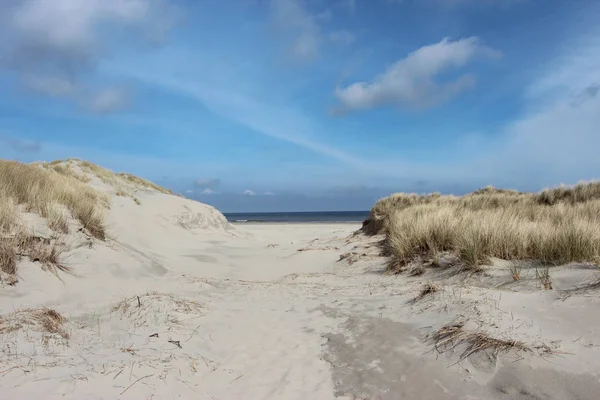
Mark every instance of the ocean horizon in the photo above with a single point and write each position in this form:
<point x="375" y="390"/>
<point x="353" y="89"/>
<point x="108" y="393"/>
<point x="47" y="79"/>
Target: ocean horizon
<point x="299" y="216"/>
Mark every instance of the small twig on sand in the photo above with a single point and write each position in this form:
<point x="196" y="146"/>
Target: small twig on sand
<point x="175" y="342"/>
<point x="128" y="387"/>
<point x="193" y="333"/>
<point x="118" y="373"/>
<point x="139" y="302"/>
<point x="154" y="335"/>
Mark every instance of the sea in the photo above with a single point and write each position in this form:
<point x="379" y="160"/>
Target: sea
<point x="299" y="217"/>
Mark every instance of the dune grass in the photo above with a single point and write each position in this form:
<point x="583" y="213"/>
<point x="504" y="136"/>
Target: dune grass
<point x="40" y="191"/>
<point x="44" y="320"/>
<point x="555" y="226"/>
<point x="54" y="196"/>
<point x="141" y="182"/>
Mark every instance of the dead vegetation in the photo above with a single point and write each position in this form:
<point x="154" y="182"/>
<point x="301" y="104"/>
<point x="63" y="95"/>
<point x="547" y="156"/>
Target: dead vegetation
<point x="453" y="336"/>
<point x="427" y="289"/>
<point x="555" y="226"/>
<point x="155" y="308"/>
<point x="324" y="248"/>
<point x="352" y="257"/>
<point x="41" y="191"/>
<point x="55" y="196"/>
<point x="141" y="182"/>
<point x="58" y="192"/>
<point x="43" y="320"/>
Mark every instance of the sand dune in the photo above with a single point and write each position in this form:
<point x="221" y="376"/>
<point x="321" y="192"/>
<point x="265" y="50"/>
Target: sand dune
<point x="177" y="303"/>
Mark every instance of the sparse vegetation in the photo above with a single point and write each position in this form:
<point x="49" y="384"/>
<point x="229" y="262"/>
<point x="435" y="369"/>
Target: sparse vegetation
<point x="425" y="291"/>
<point x="515" y="272"/>
<point x="44" y="320"/>
<point x="38" y="190"/>
<point x="556" y="226"/>
<point x="141" y="182"/>
<point x="543" y="275"/>
<point x="103" y="174"/>
<point x="154" y="308"/>
<point x="65" y="169"/>
<point x="52" y="195"/>
<point x="451" y="336"/>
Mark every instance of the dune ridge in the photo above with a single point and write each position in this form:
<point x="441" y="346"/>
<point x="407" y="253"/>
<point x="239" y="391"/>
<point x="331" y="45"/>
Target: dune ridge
<point x="172" y="301"/>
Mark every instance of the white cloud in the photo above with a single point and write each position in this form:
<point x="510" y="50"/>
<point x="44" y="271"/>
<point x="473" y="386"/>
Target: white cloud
<point x="208" y="191"/>
<point x="54" y="45"/>
<point x="249" y="192"/>
<point x="268" y="193"/>
<point x="411" y="81"/>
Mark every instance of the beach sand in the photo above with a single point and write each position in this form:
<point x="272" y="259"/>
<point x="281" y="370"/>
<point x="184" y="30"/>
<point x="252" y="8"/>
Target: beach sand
<point x="179" y="304"/>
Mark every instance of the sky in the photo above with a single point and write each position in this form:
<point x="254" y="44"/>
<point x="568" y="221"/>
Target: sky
<point x="306" y="105"/>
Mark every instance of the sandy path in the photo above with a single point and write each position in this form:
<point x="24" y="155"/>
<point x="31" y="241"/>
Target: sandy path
<point x="252" y="317"/>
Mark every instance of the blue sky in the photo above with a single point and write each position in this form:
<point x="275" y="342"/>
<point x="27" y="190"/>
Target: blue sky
<point x="258" y="105"/>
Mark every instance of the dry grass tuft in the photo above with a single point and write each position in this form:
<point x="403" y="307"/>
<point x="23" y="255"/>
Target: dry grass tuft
<point x="38" y="190"/>
<point x="66" y="170"/>
<point x="8" y="257"/>
<point x="46" y="252"/>
<point x="141" y="182"/>
<point x="556" y="226"/>
<point x="103" y="174"/>
<point x="543" y="275"/>
<point x="515" y="272"/>
<point x="352" y="257"/>
<point x="425" y="291"/>
<point x="155" y="308"/>
<point x="451" y="336"/>
<point x="53" y="195"/>
<point x="43" y="320"/>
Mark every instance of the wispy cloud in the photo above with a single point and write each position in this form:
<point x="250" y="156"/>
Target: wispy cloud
<point x="54" y="46"/>
<point x="413" y="82"/>
<point x="249" y="192"/>
<point x="272" y="120"/>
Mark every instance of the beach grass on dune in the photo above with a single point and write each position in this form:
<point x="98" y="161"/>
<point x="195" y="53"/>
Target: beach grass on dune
<point x="555" y="226"/>
<point x="52" y="195"/>
<point x="44" y="192"/>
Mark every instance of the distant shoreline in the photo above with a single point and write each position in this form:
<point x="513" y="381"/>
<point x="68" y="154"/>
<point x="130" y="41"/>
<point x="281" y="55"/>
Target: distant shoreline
<point x="298" y="217"/>
<point x="292" y="222"/>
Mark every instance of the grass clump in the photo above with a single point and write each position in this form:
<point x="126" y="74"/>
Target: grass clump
<point x="555" y="226"/>
<point x="44" y="320"/>
<point x="451" y="336"/>
<point x="39" y="190"/>
<point x="141" y="182"/>
<point x="66" y="170"/>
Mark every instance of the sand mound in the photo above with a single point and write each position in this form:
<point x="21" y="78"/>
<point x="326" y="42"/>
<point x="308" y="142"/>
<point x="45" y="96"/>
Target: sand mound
<point x="155" y="309"/>
<point x="48" y="209"/>
<point x="42" y="320"/>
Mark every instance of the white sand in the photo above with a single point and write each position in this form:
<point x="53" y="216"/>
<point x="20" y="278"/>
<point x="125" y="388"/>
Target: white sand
<point x="258" y="319"/>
